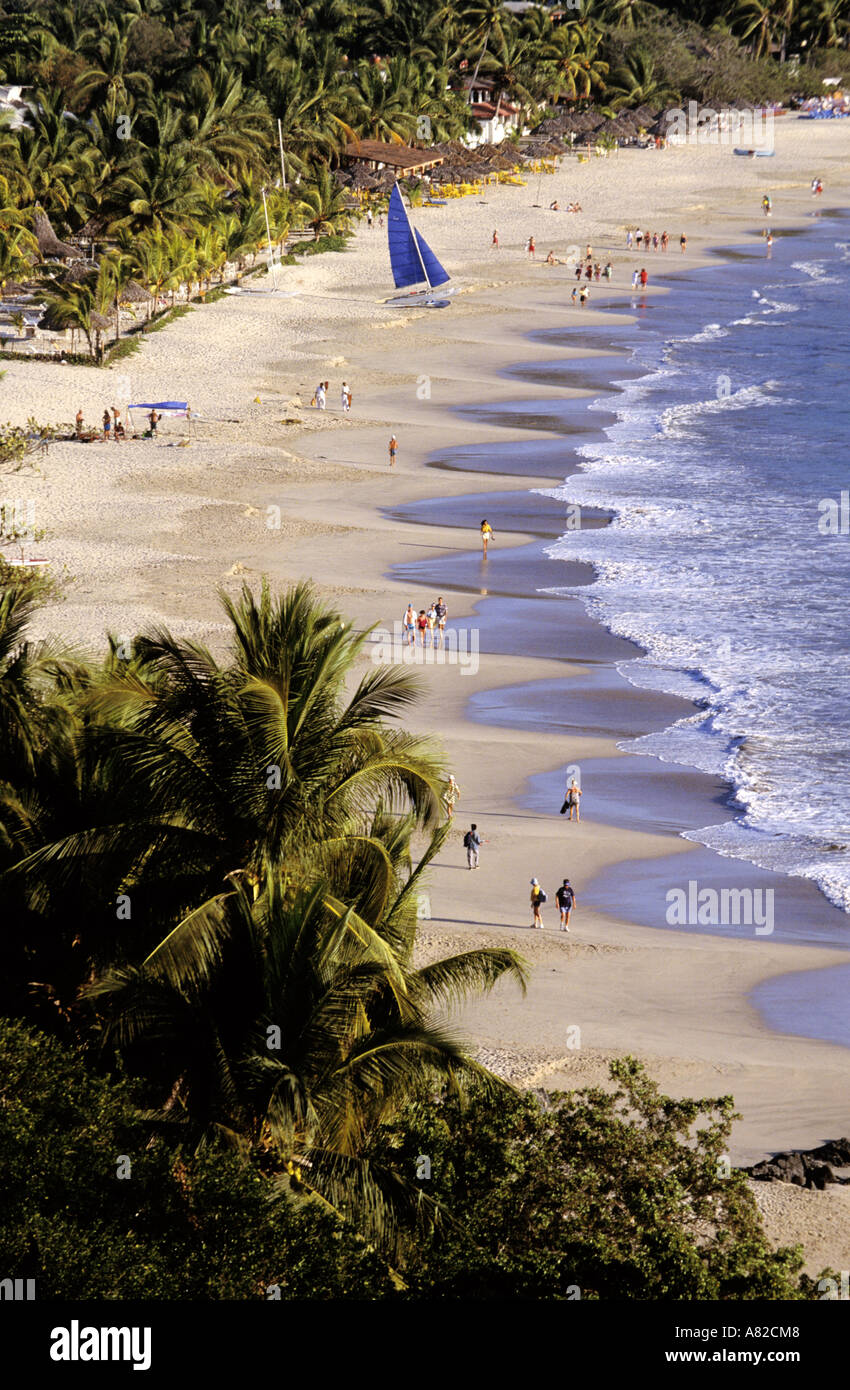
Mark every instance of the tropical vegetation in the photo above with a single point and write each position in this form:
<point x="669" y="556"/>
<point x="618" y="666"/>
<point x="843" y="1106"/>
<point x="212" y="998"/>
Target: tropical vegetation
<point x="217" y="1021"/>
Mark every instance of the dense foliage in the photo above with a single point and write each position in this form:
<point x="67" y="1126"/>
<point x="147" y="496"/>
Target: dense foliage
<point x="586" y="1196"/>
<point x="223" y="1069"/>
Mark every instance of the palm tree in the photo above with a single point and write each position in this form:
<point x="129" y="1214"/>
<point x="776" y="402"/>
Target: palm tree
<point x="18" y="251"/>
<point x="161" y="191"/>
<point x="321" y="202"/>
<point x="827" y="22"/>
<point x="636" y="83"/>
<point x="293" y="1026"/>
<point x="758" y="21"/>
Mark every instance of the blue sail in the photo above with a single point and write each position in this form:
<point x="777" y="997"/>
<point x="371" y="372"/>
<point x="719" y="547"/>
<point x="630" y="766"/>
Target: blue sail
<point x="435" y="272"/>
<point x="404" y="257"/>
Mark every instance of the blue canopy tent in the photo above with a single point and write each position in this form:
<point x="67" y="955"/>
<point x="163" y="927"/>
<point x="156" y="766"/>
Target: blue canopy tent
<point x="163" y="407"/>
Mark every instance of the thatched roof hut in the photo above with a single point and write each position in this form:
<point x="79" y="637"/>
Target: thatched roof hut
<point x="134" y="293"/>
<point x="49" y="246"/>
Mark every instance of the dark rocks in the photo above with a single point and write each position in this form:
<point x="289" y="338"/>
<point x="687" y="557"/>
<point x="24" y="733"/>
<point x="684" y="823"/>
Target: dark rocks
<point x="813" y="1168"/>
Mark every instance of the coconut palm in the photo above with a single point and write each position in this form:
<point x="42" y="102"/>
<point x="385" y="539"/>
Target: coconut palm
<point x="291" y="1025"/>
<point x="321" y="202"/>
<point x="636" y="83"/>
<point x="18" y="251"/>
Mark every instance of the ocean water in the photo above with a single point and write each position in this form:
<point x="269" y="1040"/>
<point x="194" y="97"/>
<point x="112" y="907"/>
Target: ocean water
<point x="728" y="559"/>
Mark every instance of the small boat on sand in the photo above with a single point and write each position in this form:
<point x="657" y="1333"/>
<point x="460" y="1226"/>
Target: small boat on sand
<point x="757" y="154"/>
<point x="413" y="263"/>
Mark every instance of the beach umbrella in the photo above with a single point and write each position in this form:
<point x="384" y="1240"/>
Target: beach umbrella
<point x="134" y="293"/>
<point x="49" y="245"/>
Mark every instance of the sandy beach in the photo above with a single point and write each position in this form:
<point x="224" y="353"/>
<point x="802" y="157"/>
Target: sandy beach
<point x="263" y="484"/>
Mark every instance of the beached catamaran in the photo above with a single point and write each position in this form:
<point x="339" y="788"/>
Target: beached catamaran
<point x="412" y="261"/>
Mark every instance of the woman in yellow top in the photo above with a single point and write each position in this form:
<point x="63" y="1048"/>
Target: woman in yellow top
<point x="486" y="533"/>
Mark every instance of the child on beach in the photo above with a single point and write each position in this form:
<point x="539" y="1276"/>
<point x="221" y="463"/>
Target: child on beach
<point x="393" y="448"/>
<point x="486" y="533"/>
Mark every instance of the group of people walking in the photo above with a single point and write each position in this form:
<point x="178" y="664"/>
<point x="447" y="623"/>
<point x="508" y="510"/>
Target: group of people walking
<point x="651" y="241"/>
<point x="427" y="626"/>
<point x="320" y="396"/>
<point x="565" y="896"/>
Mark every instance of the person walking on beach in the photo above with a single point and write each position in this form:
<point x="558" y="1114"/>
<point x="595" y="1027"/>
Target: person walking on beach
<point x="574" y="295"/>
<point x="319" y="397"/>
<point x="486" y="533"/>
<point x="655" y="241"/>
<point x="638" y="239"/>
<point x="588" y="255"/>
<point x="584" y="296"/>
<point x="345" y="398"/>
<point x="495" y="242"/>
<point x="422" y="625"/>
<point x="153" y="421"/>
<point x="643" y="279"/>
<point x="408" y="622"/>
<point x="451" y="796"/>
<point x="538" y="898"/>
<point x="683" y="242"/>
<point x="393" y="448"/>
<point x="530" y="247"/>
<point x="665" y="241"/>
<point x="369" y="219"/>
<point x="442" y="613"/>
<point x="565" y="898"/>
<point x="766" y="205"/>
<point x="769" y="245"/>
<point x="472" y="844"/>
<point x="571" y="800"/>
<point x="629" y="239"/>
<point x="635" y="278"/>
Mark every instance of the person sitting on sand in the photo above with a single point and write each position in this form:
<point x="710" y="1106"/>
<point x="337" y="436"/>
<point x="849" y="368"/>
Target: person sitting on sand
<point x="552" y="259"/>
<point x="555" y="207"/>
<point x="116" y="417"/>
<point x="119" y="430"/>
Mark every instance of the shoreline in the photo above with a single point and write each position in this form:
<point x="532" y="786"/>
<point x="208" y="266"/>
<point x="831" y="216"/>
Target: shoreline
<point x="200" y="513"/>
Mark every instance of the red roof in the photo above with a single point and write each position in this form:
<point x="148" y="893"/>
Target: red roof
<point x="486" y="110"/>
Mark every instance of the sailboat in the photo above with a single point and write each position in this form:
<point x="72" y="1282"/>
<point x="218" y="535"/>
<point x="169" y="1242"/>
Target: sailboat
<point x="412" y="262"/>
